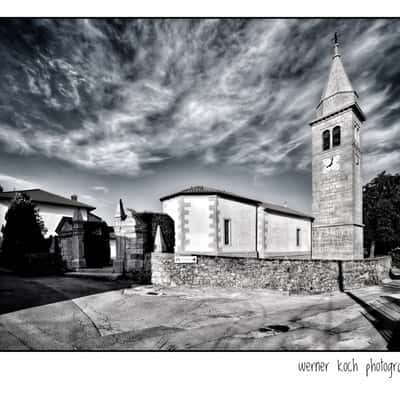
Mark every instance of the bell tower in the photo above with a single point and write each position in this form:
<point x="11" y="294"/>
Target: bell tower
<point x="336" y="169"/>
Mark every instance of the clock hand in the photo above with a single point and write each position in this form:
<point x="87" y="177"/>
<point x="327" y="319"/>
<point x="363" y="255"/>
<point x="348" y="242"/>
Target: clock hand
<point x="330" y="163"/>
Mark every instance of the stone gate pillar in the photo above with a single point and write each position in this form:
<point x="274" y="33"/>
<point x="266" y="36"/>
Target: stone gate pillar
<point x="78" y="248"/>
<point x="120" y="240"/>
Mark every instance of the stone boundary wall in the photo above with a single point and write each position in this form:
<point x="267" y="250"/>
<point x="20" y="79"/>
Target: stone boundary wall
<point x="291" y="276"/>
<point x="367" y="272"/>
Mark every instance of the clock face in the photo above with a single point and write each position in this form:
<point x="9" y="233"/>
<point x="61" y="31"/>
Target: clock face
<point x="331" y="163"/>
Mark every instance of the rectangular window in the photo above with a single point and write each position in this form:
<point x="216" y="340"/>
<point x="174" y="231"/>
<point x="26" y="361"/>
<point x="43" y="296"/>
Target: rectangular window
<point x="326" y="140"/>
<point x="227" y="231"/>
<point x="298" y="231"/>
<point x="336" y="136"/>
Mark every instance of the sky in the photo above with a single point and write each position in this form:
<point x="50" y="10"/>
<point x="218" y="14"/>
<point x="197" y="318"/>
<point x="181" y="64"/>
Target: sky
<point x="138" y="109"/>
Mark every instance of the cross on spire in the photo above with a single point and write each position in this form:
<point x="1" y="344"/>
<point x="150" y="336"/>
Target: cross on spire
<point x="335" y="40"/>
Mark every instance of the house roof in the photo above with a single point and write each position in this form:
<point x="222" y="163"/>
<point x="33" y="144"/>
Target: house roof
<point x="204" y="190"/>
<point x="41" y="196"/>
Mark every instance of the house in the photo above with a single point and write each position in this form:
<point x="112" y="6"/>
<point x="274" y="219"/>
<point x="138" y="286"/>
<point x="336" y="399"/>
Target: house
<point x="52" y="207"/>
<point x="216" y="222"/>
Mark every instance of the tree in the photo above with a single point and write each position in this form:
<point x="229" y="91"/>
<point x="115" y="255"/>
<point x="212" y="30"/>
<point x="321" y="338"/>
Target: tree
<point x="381" y="213"/>
<point x="23" y="231"/>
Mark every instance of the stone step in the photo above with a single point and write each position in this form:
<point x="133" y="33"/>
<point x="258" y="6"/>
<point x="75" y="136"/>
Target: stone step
<point x="110" y="276"/>
<point x="388" y="307"/>
<point x="392" y="285"/>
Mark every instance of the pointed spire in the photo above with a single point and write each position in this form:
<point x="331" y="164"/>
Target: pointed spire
<point x="339" y="93"/>
<point x="338" y="81"/>
<point x="159" y="243"/>
<point x="120" y="211"/>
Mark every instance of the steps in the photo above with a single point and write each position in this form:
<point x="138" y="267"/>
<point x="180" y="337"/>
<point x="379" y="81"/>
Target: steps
<point x="384" y="314"/>
<point x="392" y="284"/>
<point x="95" y="273"/>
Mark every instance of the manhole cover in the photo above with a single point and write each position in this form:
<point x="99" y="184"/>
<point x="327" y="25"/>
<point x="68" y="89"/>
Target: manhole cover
<point x="263" y="330"/>
<point x="279" y="328"/>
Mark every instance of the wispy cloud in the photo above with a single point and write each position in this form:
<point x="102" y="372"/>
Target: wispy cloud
<point x="10" y="183"/>
<point x="101" y="189"/>
<point x="124" y="97"/>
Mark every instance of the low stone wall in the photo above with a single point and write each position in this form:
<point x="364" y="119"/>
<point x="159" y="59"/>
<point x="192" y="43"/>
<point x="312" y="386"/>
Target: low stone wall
<point x="291" y="276"/>
<point x="367" y="272"/>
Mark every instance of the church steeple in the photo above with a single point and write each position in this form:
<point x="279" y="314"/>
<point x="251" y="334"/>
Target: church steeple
<point x="339" y="92"/>
<point x="336" y="168"/>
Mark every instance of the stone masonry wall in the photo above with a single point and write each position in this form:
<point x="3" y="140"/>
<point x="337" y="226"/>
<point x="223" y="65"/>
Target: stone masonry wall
<point x="291" y="276"/>
<point x="367" y="272"/>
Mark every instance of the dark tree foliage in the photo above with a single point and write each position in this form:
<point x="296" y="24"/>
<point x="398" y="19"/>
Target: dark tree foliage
<point x="23" y="231"/>
<point x="1" y="188"/>
<point x="381" y="213"/>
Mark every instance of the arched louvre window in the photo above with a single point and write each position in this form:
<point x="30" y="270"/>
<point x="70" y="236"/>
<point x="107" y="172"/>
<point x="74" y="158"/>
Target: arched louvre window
<point x="326" y="140"/>
<point x="336" y="136"/>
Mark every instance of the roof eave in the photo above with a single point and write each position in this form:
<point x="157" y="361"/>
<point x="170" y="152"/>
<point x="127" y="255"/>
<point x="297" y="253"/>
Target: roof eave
<point x="211" y="193"/>
<point x="289" y="213"/>
<point x="354" y="106"/>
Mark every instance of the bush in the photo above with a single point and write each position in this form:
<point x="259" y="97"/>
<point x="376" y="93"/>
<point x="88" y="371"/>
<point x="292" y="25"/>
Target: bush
<point x="36" y="264"/>
<point x="23" y="231"/>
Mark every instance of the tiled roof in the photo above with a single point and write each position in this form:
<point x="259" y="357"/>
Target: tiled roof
<point x="41" y="196"/>
<point x="196" y="190"/>
<point x="284" y="210"/>
<point x="193" y="190"/>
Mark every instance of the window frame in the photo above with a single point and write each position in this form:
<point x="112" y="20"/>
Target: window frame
<point x="326" y="134"/>
<point x="336" y="133"/>
<point x="227" y="232"/>
<point x="298" y="237"/>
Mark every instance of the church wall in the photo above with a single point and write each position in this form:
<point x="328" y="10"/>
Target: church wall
<point x="281" y="235"/>
<point x="198" y="223"/>
<point x="243" y="222"/>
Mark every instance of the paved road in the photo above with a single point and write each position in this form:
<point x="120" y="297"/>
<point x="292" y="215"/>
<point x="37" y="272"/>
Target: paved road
<point x="59" y="313"/>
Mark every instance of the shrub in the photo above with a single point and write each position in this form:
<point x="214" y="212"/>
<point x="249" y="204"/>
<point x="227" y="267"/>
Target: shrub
<point x="23" y="231"/>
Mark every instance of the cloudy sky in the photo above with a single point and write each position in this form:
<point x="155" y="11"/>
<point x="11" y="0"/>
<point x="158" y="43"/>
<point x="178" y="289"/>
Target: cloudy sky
<point x="140" y="108"/>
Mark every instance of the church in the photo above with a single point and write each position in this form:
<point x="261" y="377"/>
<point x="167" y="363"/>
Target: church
<point x="215" y="222"/>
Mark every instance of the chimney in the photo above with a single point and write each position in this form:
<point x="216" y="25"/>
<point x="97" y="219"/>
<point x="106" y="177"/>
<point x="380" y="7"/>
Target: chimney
<point x="74" y="197"/>
<point x="285" y="204"/>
